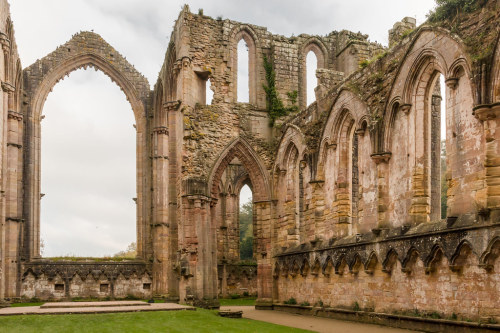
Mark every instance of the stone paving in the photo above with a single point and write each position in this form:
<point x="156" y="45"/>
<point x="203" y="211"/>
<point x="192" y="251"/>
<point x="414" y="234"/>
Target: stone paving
<point x="316" y="324"/>
<point x="92" y="307"/>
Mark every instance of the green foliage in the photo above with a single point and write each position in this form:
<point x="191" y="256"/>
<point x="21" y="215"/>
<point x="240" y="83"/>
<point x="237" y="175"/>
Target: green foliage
<point x="130" y="252"/>
<point x="275" y="105"/>
<point x="246" y="231"/>
<point x="234" y="296"/>
<point x="291" y="301"/>
<point x="356" y="307"/>
<point x="449" y="9"/>
<point x="292" y="97"/>
<point x="364" y="63"/>
<point x="306" y="303"/>
<point x="246" y="248"/>
<point x="200" y="11"/>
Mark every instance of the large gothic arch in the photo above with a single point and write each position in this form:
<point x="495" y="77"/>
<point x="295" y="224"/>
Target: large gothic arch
<point x="85" y="49"/>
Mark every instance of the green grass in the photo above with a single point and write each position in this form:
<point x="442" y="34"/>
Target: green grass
<point x="16" y="305"/>
<point x="163" y="321"/>
<point x="236" y="302"/>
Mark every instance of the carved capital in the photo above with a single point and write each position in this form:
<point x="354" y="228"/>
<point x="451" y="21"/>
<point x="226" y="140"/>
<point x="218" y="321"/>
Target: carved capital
<point x="452" y="83"/>
<point x="160" y="130"/>
<point x="405" y="108"/>
<point x="7" y="87"/>
<point x="15" y="115"/>
<point x="381" y="157"/>
<point x="360" y="132"/>
<point x="171" y="106"/>
<point x="331" y="146"/>
<point x="486" y="111"/>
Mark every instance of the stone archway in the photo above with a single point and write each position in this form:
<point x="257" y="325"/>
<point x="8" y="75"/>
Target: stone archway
<point x="259" y="179"/>
<point x="85" y="49"/>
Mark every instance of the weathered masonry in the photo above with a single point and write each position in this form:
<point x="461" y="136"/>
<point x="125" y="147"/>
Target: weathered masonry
<point x="347" y="192"/>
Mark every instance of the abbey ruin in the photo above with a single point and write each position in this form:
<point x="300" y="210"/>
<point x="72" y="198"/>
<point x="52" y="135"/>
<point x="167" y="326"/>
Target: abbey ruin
<point x="346" y="191"/>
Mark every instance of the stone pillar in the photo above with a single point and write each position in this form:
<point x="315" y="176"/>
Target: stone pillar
<point x="319" y="208"/>
<point x="262" y="211"/>
<point x="174" y="121"/>
<point x="490" y="116"/>
<point x="160" y="225"/>
<point x="382" y="162"/>
<point x="13" y="220"/>
<point x="198" y="282"/>
<point x="6" y="88"/>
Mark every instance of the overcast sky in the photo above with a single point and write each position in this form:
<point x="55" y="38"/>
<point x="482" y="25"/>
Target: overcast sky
<point x="88" y="141"/>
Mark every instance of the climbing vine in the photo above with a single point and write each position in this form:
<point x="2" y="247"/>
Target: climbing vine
<point x="275" y="105"/>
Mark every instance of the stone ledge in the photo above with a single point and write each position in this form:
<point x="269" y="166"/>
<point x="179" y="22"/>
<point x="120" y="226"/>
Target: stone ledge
<point x="392" y="320"/>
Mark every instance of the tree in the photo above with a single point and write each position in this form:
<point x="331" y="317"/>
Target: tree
<point x="130" y="252"/>
<point x="246" y="231"/>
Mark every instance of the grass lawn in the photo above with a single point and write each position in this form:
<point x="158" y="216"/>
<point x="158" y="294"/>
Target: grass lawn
<point x="16" y="305"/>
<point x="161" y="321"/>
<point x="237" y="301"/>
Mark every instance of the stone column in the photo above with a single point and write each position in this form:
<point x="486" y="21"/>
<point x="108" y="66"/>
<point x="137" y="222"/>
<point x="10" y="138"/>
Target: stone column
<point x="198" y="284"/>
<point x="382" y="162"/>
<point x="262" y="211"/>
<point x="160" y="225"/>
<point x="319" y="208"/>
<point x="6" y="87"/>
<point x="490" y="116"/>
<point x="173" y="119"/>
<point x="13" y="220"/>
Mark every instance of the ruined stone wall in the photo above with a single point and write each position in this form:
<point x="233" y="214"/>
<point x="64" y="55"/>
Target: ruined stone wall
<point x="379" y="241"/>
<point x="66" y="280"/>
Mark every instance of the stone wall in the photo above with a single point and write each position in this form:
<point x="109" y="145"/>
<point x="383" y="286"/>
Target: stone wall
<point x="67" y="280"/>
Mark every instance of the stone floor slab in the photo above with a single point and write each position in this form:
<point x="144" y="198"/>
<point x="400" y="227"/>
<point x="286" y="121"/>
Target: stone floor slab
<point x="33" y="310"/>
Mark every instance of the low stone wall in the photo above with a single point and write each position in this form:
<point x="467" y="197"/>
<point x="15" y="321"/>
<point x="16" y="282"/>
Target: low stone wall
<point x="452" y="274"/>
<point x="48" y="280"/>
<point x="237" y="279"/>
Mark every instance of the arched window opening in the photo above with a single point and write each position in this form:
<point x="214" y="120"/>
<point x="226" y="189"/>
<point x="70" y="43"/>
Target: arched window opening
<point x="311" y="80"/>
<point x="444" y="184"/>
<point x="243" y="84"/>
<point x="88" y="169"/>
<point x="439" y="186"/>
<point x="354" y="179"/>
<point x="246" y="223"/>
<point x="209" y="93"/>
